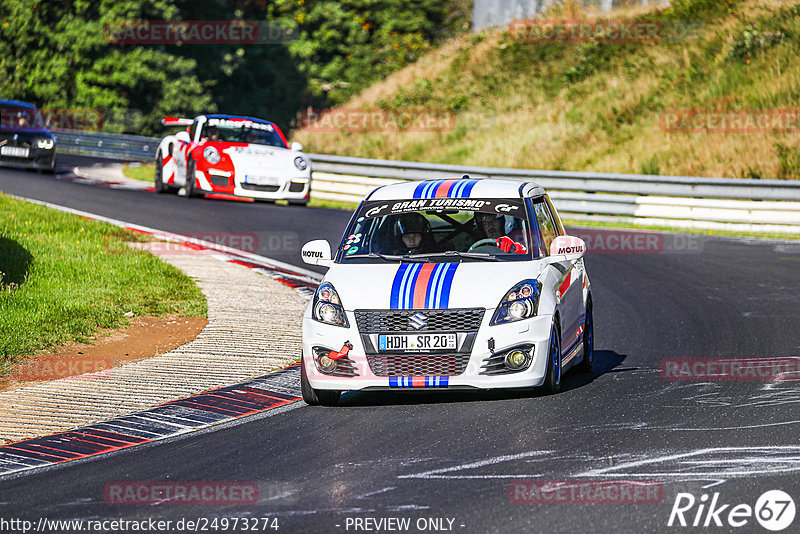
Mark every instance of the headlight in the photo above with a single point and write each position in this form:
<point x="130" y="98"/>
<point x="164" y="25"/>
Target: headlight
<point x="45" y="143"/>
<point x="300" y="163"/>
<point x="327" y="308"/>
<point x="211" y="155"/>
<point x="521" y="302"/>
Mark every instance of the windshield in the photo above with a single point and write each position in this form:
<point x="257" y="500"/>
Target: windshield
<point x="242" y="131"/>
<point x="19" y="118"/>
<point x="439" y="229"/>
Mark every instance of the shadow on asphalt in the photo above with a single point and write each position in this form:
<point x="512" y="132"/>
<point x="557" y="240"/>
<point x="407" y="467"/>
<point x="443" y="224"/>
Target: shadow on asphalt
<point x="605" y="361"/>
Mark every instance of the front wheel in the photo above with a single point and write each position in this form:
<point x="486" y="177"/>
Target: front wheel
<point x="316" y="397"/>
<point x="190" y="178"/>
<point x="552" y="381"/>
<point x="159" y="175"/>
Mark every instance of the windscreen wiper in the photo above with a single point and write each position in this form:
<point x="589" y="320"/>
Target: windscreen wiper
<point x="388" y="257"/>
<point x="451" y="253"/>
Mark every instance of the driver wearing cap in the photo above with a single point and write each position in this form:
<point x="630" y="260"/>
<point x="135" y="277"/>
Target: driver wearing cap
<point x="493" y="227"/>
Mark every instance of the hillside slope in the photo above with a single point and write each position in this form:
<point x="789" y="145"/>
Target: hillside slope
<point x="600" y="105"/>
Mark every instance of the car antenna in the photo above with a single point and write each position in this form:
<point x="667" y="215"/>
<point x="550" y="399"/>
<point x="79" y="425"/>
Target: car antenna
<point x="465" y="177"/>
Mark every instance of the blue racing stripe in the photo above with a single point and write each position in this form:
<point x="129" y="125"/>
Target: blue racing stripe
<point x="418" y="190"/>
<point x="394" y="299"/>
<point x="430" y="295"/>
<point x="456" y="191"/>
<point x="467" y="191"/>
<point x="444" y="299"/>
<point x="431" y="189"/>
<point x="407" y="289"/>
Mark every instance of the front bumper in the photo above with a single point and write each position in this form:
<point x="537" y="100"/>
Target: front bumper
<point x="534" y="331"/>
<point x="291" y="188"/>
<point x="38" y="158"/>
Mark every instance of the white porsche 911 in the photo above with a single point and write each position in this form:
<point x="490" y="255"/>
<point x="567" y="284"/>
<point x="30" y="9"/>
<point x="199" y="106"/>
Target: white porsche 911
<point x="448" y="284"/>
<point x="231" y="155"/>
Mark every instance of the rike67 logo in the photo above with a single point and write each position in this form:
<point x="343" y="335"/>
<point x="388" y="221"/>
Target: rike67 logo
<point x="774" y="510"/>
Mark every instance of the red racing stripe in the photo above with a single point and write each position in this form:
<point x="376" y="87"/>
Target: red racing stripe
<point x="421" y="287"/>
<point x="444" y="187"/>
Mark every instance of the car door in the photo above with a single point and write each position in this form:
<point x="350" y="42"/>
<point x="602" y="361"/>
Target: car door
<point x="569" y="276"/>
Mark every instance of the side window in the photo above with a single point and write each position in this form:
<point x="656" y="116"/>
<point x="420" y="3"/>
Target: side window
<point x="547" y="224"/>
<point x="559" y="226"/>
<point x="193" y="130"/>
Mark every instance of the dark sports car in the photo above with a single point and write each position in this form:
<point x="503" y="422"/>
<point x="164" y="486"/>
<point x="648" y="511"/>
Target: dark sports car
<point x="24" y="137"/>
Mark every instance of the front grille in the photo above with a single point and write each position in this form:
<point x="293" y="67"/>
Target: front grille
<point x="264" y="188"/>
<point x="453" y="320"/>
<point x="418" y="364"/>
<point x="296" y="187"/>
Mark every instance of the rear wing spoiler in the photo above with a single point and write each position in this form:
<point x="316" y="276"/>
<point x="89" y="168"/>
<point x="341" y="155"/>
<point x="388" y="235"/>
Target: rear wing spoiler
<point x="176" y="121"/>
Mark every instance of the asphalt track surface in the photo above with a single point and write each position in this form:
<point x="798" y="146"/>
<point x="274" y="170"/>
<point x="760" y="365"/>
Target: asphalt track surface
<point x="455" y="455"/>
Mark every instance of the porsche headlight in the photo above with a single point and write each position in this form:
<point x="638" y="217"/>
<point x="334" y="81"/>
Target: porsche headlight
<point x="45" y="143"/>
<point x="300" y="163"/>
<point x="521" y="302"/>
<point x="327" y="308"/>
<point x="211" y="155"/>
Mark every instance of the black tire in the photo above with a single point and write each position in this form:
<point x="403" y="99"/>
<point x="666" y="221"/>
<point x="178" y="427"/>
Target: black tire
<point x="52" y="168"/>
<point x="316" y="397"/>
<point x="159" y="175"/>
<point x="189" y="187"/>
<point x="303" y="202"/>
<point x="552" y="381"/>
<point x="588" y="341"/>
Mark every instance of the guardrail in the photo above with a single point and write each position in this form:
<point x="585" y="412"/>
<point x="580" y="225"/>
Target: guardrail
<point x="106" y="145"/>
<point x="669" y="201"/>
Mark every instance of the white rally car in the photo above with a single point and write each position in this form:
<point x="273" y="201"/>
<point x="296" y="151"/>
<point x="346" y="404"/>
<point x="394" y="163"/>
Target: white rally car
<point x="230" y="155"/>
<point x="448" y="284"/>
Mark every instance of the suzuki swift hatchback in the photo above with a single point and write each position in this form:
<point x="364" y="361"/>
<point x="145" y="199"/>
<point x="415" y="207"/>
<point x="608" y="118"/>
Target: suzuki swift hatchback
<point x="448" y="284"/>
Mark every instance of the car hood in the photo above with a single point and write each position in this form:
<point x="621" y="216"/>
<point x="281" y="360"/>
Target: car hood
<point x="428" y="285"/>
<point x="261" y="156"/>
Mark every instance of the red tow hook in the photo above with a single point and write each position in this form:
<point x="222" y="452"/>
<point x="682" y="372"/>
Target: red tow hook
<point x="333" y="355"/>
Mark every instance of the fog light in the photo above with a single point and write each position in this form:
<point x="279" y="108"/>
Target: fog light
<point x="326" y="364"/>
<point x="516" y="360"/>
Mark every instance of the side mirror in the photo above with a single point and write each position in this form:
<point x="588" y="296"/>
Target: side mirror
<point x="183" y="136"/>
<point x="297" y="147"/>
<point x="567" y="248"/>
<point x="317" y="252"/>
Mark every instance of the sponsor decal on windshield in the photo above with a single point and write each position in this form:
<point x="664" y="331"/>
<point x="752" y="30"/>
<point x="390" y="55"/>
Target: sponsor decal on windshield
<point x="501" y="206"/>
<point x="239" y="123"/>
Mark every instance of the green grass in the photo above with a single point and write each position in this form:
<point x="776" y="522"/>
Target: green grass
<point x="599" y="105"/>
<point x="139" y="171"/>
<point x="65" y="277"/>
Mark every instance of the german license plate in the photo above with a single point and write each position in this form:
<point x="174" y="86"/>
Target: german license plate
<point x="261" y="180"/>
<point x="403" y="342"/>
<point x="14" y="151"/>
